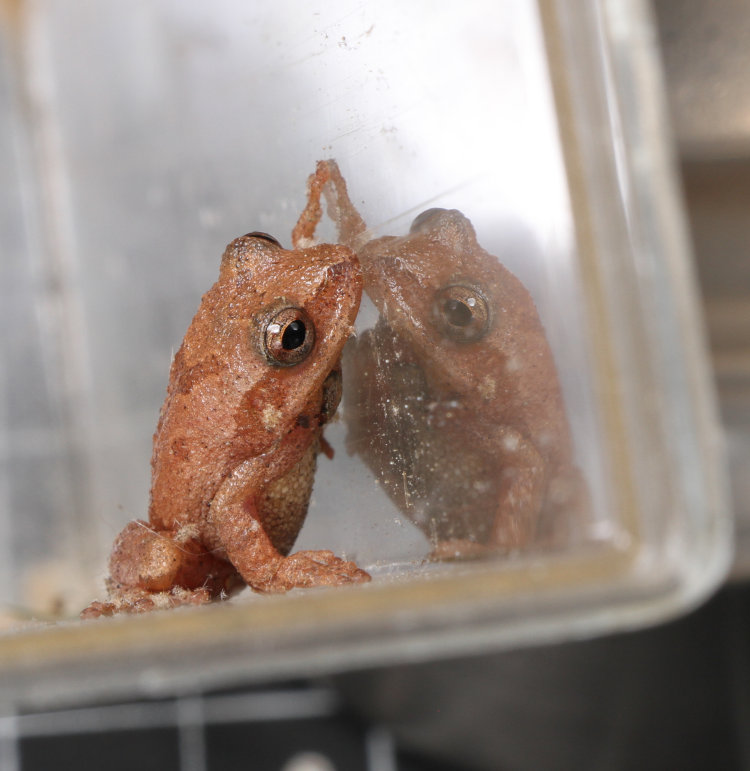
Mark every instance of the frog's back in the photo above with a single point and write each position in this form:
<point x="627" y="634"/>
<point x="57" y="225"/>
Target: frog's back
<point x="195" y="442"/>
<point x="231" y="397"/>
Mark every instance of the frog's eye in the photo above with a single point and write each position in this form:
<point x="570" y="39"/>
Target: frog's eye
<point x="288" y="337"/>
<point x="263" y="237"/>
<point x="423" y="219"/>
<point x="461" y="313"/>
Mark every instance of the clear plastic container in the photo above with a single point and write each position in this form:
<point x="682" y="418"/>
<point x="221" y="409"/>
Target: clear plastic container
<point x="544" y="125"/>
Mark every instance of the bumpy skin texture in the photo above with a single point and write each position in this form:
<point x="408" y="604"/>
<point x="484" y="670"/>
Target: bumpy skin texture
<point x="453" y="398"/>
<point x="238" y="434"/>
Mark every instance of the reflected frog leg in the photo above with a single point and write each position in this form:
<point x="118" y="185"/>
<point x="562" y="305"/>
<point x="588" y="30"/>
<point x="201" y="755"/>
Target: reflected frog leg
<point x="523" y="477"/>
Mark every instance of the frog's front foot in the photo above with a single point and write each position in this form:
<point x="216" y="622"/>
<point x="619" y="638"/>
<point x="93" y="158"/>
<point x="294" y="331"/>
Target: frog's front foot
<point x="315" y="568"/>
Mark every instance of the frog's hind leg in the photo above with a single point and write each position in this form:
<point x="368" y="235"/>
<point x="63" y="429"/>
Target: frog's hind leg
<point x="245" y="530"/>
<point x="523" y="481"/>
<point x="158" y="569"/>
<point x="520" y="483"/>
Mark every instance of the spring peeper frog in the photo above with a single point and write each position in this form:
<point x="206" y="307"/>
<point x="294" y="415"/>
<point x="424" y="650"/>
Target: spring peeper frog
<point x="453" y="398"/>
<point x="257" y="377"/>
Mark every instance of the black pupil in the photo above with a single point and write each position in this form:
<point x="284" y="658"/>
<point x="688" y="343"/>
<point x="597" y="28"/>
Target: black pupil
<point x="294" y="335"/>
<point x="458" y="314"/>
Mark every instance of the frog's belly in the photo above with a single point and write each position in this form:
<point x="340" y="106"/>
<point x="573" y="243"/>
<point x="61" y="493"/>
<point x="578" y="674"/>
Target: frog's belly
<point x="447" y="494"/>
<point x="282" y="507"/>
<point x="422" y="451"/>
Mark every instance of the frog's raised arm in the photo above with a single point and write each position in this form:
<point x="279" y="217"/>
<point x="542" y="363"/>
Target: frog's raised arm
<point x="327" y="181"/>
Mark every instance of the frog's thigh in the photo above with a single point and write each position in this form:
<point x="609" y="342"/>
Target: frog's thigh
<point x="523" y="476"/>
<point x="234" y="516"/>
<point x="145" y="558"/>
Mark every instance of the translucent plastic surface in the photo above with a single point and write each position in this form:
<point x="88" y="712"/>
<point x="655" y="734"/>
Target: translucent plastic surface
<point x="139" y="142"/>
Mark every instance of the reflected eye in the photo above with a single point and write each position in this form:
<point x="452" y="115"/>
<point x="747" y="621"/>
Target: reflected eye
<point x="461" y="313"/>
<point x="288" y="337"/>
<point x="422" y="219"/>
<point x="263" y="237"/>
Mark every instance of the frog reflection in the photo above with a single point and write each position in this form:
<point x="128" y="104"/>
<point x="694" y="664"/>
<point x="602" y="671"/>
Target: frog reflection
<point x="453" y="399"/>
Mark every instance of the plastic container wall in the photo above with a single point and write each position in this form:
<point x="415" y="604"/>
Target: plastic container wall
<point x="138" y="142"/>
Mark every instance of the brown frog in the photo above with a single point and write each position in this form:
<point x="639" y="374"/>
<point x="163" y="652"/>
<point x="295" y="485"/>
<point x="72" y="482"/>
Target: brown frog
<point x="453" y="398"/>
<point x="256" y="378"/>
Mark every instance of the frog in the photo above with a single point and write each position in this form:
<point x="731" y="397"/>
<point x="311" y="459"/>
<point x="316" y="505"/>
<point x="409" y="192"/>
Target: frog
<point x="453" y="396"/>
<point x="255" y="381"/>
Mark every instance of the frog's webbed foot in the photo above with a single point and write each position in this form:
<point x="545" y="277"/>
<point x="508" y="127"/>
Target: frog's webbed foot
<point x="306" y="569"/>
